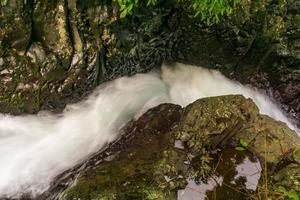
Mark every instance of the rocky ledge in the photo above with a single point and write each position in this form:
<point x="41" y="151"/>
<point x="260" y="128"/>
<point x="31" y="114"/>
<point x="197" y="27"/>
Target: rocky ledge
<point x="173" y="153"/>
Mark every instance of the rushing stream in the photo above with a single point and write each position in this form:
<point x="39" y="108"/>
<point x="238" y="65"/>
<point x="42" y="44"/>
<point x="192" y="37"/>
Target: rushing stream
<point x="34" y="149"/>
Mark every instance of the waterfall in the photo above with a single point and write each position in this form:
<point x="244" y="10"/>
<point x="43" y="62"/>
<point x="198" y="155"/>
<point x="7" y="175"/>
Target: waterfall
<point x="34" y="149"/>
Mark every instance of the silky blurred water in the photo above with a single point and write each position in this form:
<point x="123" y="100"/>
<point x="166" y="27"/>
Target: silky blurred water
<point x="34" y="149"/>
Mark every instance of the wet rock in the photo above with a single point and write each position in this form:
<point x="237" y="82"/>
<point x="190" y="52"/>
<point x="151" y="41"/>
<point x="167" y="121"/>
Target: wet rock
<point x="18" y="85"/>
<point x="85" y="44"/>
<point x="170" y="150"/>
<point x="50" y="27"/>
<point x="144" y="141"/>
<point x="257" y="45"/>
<point x="15" y="26"/>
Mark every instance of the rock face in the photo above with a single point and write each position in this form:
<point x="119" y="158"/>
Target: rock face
<point x="54" y="52"/>
<point x="169" y="148"/>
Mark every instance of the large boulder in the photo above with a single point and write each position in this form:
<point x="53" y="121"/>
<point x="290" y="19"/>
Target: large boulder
<point x="171" y="151"/>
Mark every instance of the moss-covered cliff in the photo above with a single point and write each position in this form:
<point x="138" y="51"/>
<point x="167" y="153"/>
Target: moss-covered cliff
<point x="54" y="52"/>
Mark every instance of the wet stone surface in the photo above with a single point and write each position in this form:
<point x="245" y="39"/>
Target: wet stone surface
<point x="61" y="50"/>
<point x="178" y="153"/>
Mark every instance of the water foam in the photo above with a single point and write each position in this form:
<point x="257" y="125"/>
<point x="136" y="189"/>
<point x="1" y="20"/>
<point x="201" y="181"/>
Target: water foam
<point x="34" y="149"/>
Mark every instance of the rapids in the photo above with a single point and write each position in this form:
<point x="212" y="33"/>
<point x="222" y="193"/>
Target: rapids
<point x="34" y="149"/>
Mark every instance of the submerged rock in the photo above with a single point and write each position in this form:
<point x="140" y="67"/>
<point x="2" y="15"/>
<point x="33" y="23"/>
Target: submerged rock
<point x="172" y="152"/>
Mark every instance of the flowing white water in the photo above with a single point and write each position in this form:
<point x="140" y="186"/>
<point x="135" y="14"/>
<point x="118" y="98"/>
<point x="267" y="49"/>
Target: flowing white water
<point x="36" y="148"/>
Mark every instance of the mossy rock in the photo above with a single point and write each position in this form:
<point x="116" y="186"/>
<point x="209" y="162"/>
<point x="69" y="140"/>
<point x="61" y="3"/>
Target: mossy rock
<point x="76" y="45"/>
<point x="159" y="154"/>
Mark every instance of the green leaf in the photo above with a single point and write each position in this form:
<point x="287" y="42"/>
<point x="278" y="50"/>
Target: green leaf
<point x="217" y="20"/>
<point x="235" y="2"/>
<point x="292" y="194"/>
<point x="123" y="14"/>
<point x="3" y="2"/>
<point x="212" y="6"/>
<point x="282" y="189"/>
<point x="129" y="8"/>
<point x="240" y="148"/>
<point x="123" y="6"/>
<point x="297" y="153"/>
<point x="120" y="2"/>
<point x="244" y="143"/>
<point x="149" y="2"/>
<point x="197" y="13"/>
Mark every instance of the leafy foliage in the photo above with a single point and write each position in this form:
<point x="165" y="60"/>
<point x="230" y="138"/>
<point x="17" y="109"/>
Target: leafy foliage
<point x="210" y="11"/>
<point x="3" y="2"/>
<point x="242" y="146"/>
<point x="244" y="143"/>
<point x="288" y="194"/>
<point x="126" y="7"/>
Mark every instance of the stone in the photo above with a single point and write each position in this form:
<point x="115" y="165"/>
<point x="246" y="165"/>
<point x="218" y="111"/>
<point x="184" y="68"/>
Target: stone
<point x="86" y="44"/>
<point x="146" y="163"/>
